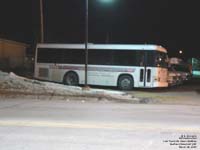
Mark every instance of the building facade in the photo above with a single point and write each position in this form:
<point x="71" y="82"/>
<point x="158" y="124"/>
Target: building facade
<point x="12" y="53"/>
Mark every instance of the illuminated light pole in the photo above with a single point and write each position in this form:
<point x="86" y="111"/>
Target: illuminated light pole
<point x="86" y="39"/>
<point x="86" y="45"/>
<point x="180" y="52"/>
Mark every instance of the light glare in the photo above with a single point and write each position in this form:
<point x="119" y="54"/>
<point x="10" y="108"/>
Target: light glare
<point x="106" y="1"/>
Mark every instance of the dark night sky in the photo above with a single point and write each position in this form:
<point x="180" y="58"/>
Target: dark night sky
<point x="173" y="24"/>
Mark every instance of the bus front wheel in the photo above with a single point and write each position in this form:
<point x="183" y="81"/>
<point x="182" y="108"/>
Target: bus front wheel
<point x="125" y="82"/>
<point x="71" y="78"/>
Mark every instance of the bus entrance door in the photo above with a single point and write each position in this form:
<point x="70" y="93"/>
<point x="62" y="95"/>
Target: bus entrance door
<point x="148" y="77"/>
<point x="145" y="75"/>
<point x="141" y="77"/>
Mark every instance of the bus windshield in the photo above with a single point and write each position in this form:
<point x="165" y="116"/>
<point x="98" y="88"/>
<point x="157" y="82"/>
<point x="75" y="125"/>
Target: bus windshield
<point x="161" y="60"/>
<point x="157" y="59"/>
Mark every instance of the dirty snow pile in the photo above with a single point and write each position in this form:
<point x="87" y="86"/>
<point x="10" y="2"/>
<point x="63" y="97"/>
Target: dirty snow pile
<point x="10" y="82"/>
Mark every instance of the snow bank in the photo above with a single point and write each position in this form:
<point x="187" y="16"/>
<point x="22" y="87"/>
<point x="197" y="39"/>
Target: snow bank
<point x="13" y="83"/>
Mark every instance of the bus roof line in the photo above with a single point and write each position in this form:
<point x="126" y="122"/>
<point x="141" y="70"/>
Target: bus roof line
<point x="105" y="46"/>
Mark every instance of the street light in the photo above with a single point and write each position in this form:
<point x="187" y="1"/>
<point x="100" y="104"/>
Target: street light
<point x="180" y="52"/>
<point x="106" y="1"/>
<point x="86" y="45"/>
<point x="86" y="39"/>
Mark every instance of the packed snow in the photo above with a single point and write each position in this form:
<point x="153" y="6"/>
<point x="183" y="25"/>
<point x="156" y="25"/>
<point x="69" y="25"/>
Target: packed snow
<point x="11" y="82"/>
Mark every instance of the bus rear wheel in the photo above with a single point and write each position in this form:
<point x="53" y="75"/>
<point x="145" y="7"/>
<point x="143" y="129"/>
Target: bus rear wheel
<point x="71" y="78"/>
<point x="125" y="82"/>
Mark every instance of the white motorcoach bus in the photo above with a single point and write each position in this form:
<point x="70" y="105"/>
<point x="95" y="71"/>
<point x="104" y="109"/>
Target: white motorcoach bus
<point x="122" y="65"/>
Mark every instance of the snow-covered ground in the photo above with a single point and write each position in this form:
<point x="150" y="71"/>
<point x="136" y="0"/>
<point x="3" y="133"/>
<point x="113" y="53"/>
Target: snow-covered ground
<point x="10" y="82"/>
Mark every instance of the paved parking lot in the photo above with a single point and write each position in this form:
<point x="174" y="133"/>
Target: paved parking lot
<point x="186" y="94"/>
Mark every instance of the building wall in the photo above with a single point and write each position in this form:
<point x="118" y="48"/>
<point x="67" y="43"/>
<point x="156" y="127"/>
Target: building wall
<point x="1" y="49"/>
<point x="12" y="53"/>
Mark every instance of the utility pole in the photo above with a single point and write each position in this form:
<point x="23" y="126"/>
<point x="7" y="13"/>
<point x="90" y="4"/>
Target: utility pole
<point x="41" y="22"/>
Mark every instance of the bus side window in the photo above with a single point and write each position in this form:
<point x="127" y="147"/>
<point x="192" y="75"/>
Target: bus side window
<point x="141" y="58"/>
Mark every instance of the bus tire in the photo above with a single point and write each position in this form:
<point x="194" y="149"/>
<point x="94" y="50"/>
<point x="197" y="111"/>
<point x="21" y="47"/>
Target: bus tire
<point x="125" y="82"/>
<point x="71" y="78"/>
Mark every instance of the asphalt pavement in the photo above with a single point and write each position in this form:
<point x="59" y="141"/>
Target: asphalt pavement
<point x="31" y="124"/>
